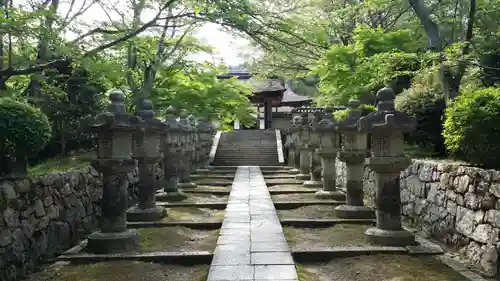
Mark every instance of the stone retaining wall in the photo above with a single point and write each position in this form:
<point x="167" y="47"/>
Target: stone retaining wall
<point x="44" y="216"/>
<point x="456" y="204"/>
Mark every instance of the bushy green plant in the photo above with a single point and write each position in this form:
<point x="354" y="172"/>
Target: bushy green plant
<point x="424" y="102"/>
<point x="24" y="130"/>
<point x="340" y="115"/>
<point x="471" y="130"/>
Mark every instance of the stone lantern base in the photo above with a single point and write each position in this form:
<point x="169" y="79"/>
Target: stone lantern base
<point x="187" y="185"/>
<point x="303" y="176"/>
<point x="394" y="238"/>
<point x="171" y="196"/>
<point x="136" y="214"/>
<point x="332" y="195"/>
<point x="354" y="212"/>
<point x="312" y="183"/>
<point x="113" y="242"/>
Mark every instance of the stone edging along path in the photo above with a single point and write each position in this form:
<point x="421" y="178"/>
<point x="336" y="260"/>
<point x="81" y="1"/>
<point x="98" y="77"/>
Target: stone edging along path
<point x="251" y="244"/>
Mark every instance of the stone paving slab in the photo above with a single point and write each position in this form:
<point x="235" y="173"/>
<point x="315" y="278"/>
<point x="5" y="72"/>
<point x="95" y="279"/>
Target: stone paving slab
<point x="251" y="244"/>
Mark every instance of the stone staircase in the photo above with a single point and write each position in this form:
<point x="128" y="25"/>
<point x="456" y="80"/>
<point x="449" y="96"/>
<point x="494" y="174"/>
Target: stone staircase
<point x="247" y="148"/>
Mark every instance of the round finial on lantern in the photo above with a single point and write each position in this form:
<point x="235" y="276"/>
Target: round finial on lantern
<point x="191" y="120"/>
<point x="353" y="104"/>
<point x="117" y="99"/>
<point x="385" y="94"/>
<point x="170" y="112"/>
<point x="183" y="114"/>
<point x="145" y="111"/>
<point x="385" y="97"/>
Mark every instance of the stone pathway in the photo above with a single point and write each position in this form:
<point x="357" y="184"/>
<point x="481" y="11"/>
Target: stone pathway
<point x="251" y="243"/>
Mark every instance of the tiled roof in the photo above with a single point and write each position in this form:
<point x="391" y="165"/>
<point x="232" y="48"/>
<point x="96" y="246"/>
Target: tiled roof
<point x="269" y="85"/>
<point x="290" y="96"/>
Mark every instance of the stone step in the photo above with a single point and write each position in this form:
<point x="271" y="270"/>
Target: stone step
<point x="245" y="163"/>
<point x="247" y="149"/>
<point x="241" y="158"/>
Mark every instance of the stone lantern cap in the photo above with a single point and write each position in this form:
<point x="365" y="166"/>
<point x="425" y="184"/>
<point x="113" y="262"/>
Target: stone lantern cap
<point x="204" y="126"/>
<point x="171" y="120"/>
<point x="314" y="127"/>
<point x="352" y="121"/>
<point x="192" y="121"/>
<point x="172" y="125"/>
<point x="327" y="129"/>
<point x="146" y="112"/>
<point x="386" y="119"/>
<point x="304" y="130"/>
<point x="295" y="124"/>
<point x="183" y="122"/>
<point x="116" y="118"/>
<point x="326" y="125"/>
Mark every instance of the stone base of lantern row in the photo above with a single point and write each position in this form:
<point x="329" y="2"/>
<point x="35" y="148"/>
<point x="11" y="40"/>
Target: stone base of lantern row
<point x="313" y="183"/>
<point x="395" y="238"/>
<point x="136" y="214"/>
<point x="354" y="207"/>
<point x="171" y="191"/>
<point x="330" y="195"/>
<point x="113" y="242"/>
<point x="304" y="170"/>
<point x="354" y="212"/>
<point x="388" y="230"/>
<point x="171" y="196"/>
<point x="316" y="169"/>
<point x="303" y="176"/>
<point x="187" y="185"/>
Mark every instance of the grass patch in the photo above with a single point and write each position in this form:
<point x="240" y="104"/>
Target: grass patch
<point x="289" y="233"/>
<point x="130" y="270"/>
<point x="348" y="235"/>
<point x="75" y="161"/>
<point x="194" y="214"/>
<point x="304" y="274"/>
<point x="176" y="239"/>
<point x="419" y="152"/>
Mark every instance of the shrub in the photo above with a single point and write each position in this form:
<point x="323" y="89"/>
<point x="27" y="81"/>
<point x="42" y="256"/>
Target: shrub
<point x="340" y="115"/>
<point x="24" y="130"/>
<point x="471" y="130"/>
<point x="426" y="104"/>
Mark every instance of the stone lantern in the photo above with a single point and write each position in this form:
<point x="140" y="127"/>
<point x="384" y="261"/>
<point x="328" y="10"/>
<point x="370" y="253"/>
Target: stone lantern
<point x="353" y="155"/>
<point x="184" y="168"/>
<point x="194" y="141"/>
<point x="304" y="148"/>
<point x="147" y="152"/>
<point x="387" y="160"/>
<point x="327" y="150"/>
<point x="315" y="160"/>
<point x="205" y="137"/>
<point x="115" y="129"/>
<point x="292" y="144"/>
<point x="170" y="145"/>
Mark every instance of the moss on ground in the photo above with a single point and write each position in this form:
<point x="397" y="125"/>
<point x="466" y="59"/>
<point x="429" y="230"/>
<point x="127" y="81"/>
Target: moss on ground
<point x="194" y="214"/>
<point x="340" y="235"/>
<point x="383" y="267"/>
<point x="201" y="198"/>
<point x="165" y="239"/>
<point x="131" y="271"/>
<point x="75" y="161"/>
<point x="308" y="212"/>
